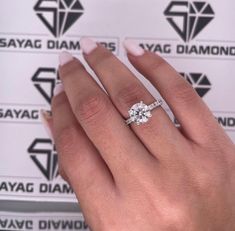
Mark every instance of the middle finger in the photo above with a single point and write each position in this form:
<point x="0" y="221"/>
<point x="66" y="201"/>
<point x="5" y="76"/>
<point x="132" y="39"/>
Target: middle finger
<point x="125" y="90"/>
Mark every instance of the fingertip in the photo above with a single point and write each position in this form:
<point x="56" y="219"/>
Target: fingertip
<point x="87" y="45"/>
<point x="59" y="88"/>
<point x="46" y="119"/>
<point x="64" y="58"/>
<point x="132" y="47"/>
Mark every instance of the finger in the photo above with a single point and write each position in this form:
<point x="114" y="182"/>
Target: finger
<point x="189" y="109"/>
<point x="126" y="90"/>
<point x="47" y="120"/>
<point x="102" y="123"/>
<point x="78" y="157"/>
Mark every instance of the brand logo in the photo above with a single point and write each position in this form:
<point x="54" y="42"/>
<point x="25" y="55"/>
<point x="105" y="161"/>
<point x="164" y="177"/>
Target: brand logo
<point x="45" y="80"/>
<point x="189" y="18"/>
<point x="58" y="15"/>
<point x="199" y="82"/>
<point x="43" y="154"/>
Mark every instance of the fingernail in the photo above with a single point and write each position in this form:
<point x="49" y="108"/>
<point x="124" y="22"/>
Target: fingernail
<point x="59" y="88"/>
<point x="87" y="45"/>
<point x="65" y="57"/>
<point x="133" y="48"/>
<point x="47" y="122"/>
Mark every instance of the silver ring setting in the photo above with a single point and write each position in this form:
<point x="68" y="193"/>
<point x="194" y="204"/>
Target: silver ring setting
<point x="140" y="112"/>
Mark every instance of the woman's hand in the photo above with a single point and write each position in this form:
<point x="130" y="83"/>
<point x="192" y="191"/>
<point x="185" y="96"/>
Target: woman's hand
<point x="148" y="177"/>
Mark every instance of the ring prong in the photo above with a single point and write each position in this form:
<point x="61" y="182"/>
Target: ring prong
<point x="140" y="112"/>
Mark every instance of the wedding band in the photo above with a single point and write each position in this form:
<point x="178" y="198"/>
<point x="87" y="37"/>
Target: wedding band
<point x="140" y="112"/>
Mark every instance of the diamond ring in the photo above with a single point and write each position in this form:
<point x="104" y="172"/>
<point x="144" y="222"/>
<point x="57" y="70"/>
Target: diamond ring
<point x="140" y="112"/>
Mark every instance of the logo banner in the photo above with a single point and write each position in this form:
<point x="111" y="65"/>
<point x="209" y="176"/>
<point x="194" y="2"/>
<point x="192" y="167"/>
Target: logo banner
<point x="196" y="37"/>
<point x="42" y="221"/>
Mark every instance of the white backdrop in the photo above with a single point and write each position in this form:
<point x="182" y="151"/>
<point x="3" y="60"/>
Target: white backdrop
<point x="198" y="38"/>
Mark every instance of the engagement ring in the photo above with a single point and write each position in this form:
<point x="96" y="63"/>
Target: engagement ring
<point x="140" y="112"/>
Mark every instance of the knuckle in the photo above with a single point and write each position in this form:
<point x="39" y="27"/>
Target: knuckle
<point x="91" y="108"/>
<point x="203" y="181"/>
<point x="177" y="218"/>
<point x="156" y="64"/>
<point x="183" y="93"/>
<point x="65" y="143"/>
<point x="212" y="177"/>
<point x="70" y="152"/>
<point x="58" y="101"/>
<point x="130" y="94"/>
<point x="70" y="69"/>
<point x="102" y="59"/>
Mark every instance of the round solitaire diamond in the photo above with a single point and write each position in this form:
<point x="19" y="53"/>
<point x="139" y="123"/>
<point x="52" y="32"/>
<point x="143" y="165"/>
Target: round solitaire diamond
<point x="140" y="113"/>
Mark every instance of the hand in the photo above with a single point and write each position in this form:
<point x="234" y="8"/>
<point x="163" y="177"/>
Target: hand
<point x="148" y="177"/>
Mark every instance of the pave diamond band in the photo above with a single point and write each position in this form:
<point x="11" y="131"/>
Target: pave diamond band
<point x="140" y="112"/>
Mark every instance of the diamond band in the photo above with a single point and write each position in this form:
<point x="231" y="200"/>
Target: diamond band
<point x="140" y="112"/>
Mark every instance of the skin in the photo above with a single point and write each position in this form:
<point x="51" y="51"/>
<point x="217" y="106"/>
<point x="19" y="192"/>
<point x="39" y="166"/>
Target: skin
<point x="154" y="176"/>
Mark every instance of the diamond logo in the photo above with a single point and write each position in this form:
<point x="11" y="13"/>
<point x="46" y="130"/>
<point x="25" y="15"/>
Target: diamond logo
<point x="43" y="154"/>
<point x="44" y="81"/>
<point x="199" y="82"/>
<point x="189" y="18"/>
<point x="58" y="15"/>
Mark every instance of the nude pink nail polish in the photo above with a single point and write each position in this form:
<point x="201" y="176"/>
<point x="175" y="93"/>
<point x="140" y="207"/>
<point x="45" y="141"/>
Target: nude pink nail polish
<point x="87" y="45"/>
<point x="64" y="58"/>
<point x="47" y="123"/>
<point x="59" y="88"/>
<point x="133" y="48"/>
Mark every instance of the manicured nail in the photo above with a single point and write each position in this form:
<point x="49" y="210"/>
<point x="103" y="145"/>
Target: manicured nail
<point x="59" y="88"/>
<point x="133" y="48"/>
<point x="47" y="122"/>
<point x="65" y="57"/>
<point x="87" y="45"/>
